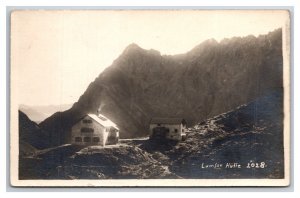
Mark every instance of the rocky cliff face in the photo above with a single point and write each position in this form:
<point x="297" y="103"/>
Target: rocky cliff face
<point x="210" y="79"/>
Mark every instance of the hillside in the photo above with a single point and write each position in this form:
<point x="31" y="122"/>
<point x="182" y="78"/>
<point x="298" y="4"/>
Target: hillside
<point x="31" y="137"/>
<point x="250" y="133"/>
<point x="210" y="79"/>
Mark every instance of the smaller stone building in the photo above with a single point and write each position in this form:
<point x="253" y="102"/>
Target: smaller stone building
<point x="168" y="128"/>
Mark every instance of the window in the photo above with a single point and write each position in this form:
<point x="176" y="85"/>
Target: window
<point x="182" y="130"/>
<point x="87" y="139"/>
<point x="96" y="139"/>
<point x="175" y="130"/>
<point x="87" y="130"/>
<point x="78" y="139"/>
<point x="87" y="121"/>
<point x="158" y="124"/>
<point x="113" y="130"/>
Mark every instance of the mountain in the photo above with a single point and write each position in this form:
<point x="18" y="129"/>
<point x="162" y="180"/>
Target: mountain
<point x="40" y="113"/>
<point x="249" y="134"/>
<point x="212" y="78"/>
<point x="31" y="137"/>
<point x="32" y="113"/>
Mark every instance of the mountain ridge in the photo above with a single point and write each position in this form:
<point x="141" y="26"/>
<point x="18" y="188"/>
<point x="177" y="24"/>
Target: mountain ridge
<point x="38" y="113"/>
<point x="199" y="84"/>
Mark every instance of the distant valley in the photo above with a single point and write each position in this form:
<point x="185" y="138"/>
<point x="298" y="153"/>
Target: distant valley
<point x="40" y="113"/>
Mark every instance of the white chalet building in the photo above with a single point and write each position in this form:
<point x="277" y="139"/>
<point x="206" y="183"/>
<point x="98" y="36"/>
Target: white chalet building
<point x="94" y="130"/>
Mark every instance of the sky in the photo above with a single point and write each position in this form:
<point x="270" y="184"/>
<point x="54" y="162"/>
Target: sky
<point x="55" y="55"/>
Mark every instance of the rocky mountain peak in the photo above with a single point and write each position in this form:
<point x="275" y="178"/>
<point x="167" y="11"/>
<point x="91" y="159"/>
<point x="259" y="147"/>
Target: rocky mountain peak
<point x="142" y="84"/>
<point x="132" y="48"/>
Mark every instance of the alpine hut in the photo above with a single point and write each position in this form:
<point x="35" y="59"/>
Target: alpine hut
<point x="94" y="130"/>
<point x="168" y="128"/>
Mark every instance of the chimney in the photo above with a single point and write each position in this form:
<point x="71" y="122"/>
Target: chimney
<point x="100" y="108"/>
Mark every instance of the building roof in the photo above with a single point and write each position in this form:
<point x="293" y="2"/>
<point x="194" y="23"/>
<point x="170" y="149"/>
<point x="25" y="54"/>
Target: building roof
<point x="101" y="119"/>
<point x="168" y="121"/>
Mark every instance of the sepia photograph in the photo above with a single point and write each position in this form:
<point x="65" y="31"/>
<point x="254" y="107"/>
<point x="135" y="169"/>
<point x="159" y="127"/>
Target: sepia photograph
<point x="150" y="98"/>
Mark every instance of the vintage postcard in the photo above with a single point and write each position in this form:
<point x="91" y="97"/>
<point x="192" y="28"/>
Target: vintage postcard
<point x="150" y="98"/>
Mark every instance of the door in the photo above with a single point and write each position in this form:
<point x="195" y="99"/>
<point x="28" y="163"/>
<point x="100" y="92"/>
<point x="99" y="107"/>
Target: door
<point x="160" y="132"/>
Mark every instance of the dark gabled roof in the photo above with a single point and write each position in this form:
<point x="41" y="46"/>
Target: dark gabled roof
<point x="167" y="121"/>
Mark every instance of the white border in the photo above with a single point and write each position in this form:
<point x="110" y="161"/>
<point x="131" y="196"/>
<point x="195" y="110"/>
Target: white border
<point x="295" y="94"/>
<point x="157" y="182"/>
